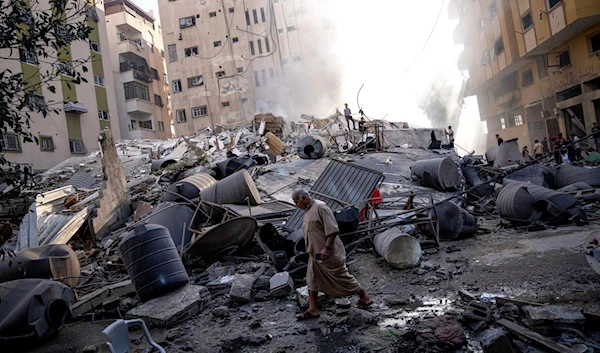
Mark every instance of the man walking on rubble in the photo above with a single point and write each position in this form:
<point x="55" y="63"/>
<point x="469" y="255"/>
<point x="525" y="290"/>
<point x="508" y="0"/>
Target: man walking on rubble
<point x="348" y="115"/>
<point x="327" y="271"/>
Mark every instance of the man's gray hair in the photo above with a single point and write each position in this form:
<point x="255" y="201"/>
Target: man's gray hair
<point x="300" y="193"/>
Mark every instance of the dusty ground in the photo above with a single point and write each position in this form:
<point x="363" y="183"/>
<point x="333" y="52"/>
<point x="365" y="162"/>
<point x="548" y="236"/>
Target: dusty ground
<point x="547" y="263"/>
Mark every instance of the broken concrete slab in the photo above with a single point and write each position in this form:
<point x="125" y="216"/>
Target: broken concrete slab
<point x="221" y="283"/>
<point x="281" y="285"/>
<point x="241" y="288"/>
<point x="172" y="308"/>
<point x="496" y="340"/>
<point x="95" y="299"/>
<point x="541" y="317"/>
<point x="360" y="317"/>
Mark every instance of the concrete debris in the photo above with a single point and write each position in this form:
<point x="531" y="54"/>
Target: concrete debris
<point x="281" y="285"/>
<point x="552" y="316"/>
<point x="172" y="308"/>
<point x="95" y="299"/>
<point x="442" y="331"/>
<point x="496" y="340"/>
<point x="360" y="317"/>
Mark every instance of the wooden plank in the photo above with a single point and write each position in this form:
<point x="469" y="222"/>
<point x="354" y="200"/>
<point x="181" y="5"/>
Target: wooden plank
<point x="520" y="303"/>
<point x="535" y="337"/>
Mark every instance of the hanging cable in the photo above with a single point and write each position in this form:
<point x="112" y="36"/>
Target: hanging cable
<point x="428" y="38"/>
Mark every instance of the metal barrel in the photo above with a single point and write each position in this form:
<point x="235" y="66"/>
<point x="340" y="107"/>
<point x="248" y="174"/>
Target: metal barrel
<point x="469" y="224"/>
<point x="515" y="202"/>
<point x="472" y="178"/>
<point x="449" y="220"/>
<point x="311" y="147"/>
<point x="189" y="187"/>
<point x="398" y="249"/>
<point x="439" y="173"/>
<point x="508" y="154"/>
<point x="177" y="218"/>
<point x="536" y="173"/>
<point x="238" y="188"/>
<point x="555" y="202"/>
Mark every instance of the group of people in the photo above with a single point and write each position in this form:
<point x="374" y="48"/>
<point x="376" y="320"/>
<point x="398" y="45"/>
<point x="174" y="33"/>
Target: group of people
<point x="571" y="145"/>
<point x="361" y="122"/>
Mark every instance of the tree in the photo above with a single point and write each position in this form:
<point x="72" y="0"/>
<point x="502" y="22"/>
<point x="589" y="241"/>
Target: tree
<point x="38" y="32"/>
<point x="443" y="101"/>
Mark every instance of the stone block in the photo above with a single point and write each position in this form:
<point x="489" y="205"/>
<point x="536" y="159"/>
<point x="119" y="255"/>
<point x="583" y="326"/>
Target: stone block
<point x="172" y="308"/>
<point x="281" y="285"/>
<point x="496" y="340"/>
<point x="96" y="298"/>
<point x="360" y="317"/>
<point x="220" y="284"/>
<point x="553" y="316"/>
<point x="241" y="288"/>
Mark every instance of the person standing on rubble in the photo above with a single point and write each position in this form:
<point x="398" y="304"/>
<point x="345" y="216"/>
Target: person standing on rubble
<point x="450" y="134"/>
<point x="499" y="139"/>
<point x="348" y="115"/>
<point x="327" y="271"/>
<point x="546" y="147"/>
<point x="577" y="146"/>
<point x="538" y="149"/>
<point x="596" y="136"/>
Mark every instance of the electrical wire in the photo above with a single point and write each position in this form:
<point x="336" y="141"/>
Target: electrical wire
<point x="428" y="38"/>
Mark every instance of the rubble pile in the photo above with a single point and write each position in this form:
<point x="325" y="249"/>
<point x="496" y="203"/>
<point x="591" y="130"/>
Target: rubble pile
<point x="202" y="231"/>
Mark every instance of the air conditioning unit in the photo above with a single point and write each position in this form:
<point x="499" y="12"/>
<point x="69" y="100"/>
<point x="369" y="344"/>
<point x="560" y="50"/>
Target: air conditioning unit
<point x="197" y="81"/>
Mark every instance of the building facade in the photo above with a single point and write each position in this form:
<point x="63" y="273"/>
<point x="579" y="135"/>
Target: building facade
<point x="139" y="71"/>
<point x="229" y="60"/>
<point x="82" y="109"/>
<point x="533" y="64"/>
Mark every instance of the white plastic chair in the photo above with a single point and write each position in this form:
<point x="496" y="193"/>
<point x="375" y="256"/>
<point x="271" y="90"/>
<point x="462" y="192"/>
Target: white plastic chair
<point x="118" y="332"/>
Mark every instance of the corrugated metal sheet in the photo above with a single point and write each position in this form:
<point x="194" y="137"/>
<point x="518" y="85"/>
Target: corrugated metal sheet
<point x="339" y="185"/>
<point x="50" y="226"/>
<point x="569" y="174"/>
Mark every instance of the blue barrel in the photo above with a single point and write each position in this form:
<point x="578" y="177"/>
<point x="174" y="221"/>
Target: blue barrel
<point x="152" y="261"/>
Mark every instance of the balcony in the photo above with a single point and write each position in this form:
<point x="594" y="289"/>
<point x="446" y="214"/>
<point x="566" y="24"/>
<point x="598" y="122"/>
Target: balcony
<point x="138" y="72"/>
<point x="136" y="47"/>
<point x="566" y="19"/>
<point x="138" y="106"/>
<point x="127" y="23"/>
<point x="141" y="133"/>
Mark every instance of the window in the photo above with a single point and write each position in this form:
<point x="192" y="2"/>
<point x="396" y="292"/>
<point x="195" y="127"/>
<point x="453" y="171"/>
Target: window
<point x="255" y="16"/>
<point x="542" y="67"/>
<point x="256" y="81"/>
<point x="10" y="143"/>
<point x="133" y="125"/>
<point x="212" y="14"/>
<point x="493" y="9"/>
<point x="99" y="80"/>
<point x="158" y="100"/>
<point x="155" y="74"/>
<point x="527" y="78"/>
<point x="136" y="90"/>
<point x="552" y="3"/>
<point x="161" y="126"/>
<point x="195" y="81"/>
<point x="103" y="115"/>
<point x="46" y="143"/>
<point x="271" y="72"/>
<point x="199" y="111"/>
<point x="217" y="43"/>
<point x="35" y="100"/>
<point x="225" y="104"/>
<point x="220" y="74"/>
<point x="95" y="46"/>
<point x="187" y="22"/>
<point x="240" y="70"/>
<point x="180" y="115"/>
<point x="190" y="51"/>
<point x="231" y="10"/>
<point x="527" y="21"/>
<point x="28" y="57"/>
<point x="259" y="44"/>
<point x="264" y="76"/>
<point x="498" y="46"/>
<point x="296" y="59"/>
<point x="146" y="124"/>
<point x="244" y="100"/>
<point x="235" y="39"/>
<point x="90" y="12"/>
<point x="247" y="18"/>
<point x="66" y="69"/>
<point x="594" y="42"/>
<point x="518" y="120"/>
<point x="564" y="59"/>
<point x="251" y="48"/>
<point x="177" y="86"/>
<point x="267" y="45"/>
<point x="291" y="28"/>
<point x="172" y="49"/>
<point x="262" y="14"/>
<point x="503" y="123"/>
<point x="76" y="146"/>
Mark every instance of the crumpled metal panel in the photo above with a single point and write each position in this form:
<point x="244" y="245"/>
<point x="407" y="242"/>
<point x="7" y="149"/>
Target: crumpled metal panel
<point x="508" y="154"/>
<point x="81" y="180"/>
<point x="51" y="225"/>
<point x="568" y="174"/>
<point x="555" y="202"/>
<point x="536" y="173"/>
<point x="340" y="181"/>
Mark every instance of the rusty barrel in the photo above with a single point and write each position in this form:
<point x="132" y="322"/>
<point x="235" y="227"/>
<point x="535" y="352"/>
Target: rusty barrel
<point x="398" y="249"/>
<point x="440" y="173"/>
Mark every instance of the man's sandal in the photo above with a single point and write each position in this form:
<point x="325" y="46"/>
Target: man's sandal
<point x="363" y="305"/>
<point x="307" y="316"/>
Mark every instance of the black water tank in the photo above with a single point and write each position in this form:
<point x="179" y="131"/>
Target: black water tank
<point x="152" y="261"/>
<point x="347" y="219"/>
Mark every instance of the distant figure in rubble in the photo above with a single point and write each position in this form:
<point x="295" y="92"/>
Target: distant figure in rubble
<point x="577" y="147"/>
<point x="525" y="153"/>
<point x="546" y="147"/>
<point x="538" y="149"/>
<point x="327" y="271"/>
<point x="499" y="139"/>
<point x="361" y="124"/>
<point x="450" y="134"/>
<point x="596" y="136"/>
<point x="348" y="115"/>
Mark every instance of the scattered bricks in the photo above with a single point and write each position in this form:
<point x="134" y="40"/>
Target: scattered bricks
<point x="477" y="326"/>
<point x="281" y="285"/>
<point x="496" y="340"/>
<point x="241" y="288"/>
<point x="359" y="317"/>
<point x="552" y="316"/>
<point x="172" y="308"/>
<point x="477" y="312"/>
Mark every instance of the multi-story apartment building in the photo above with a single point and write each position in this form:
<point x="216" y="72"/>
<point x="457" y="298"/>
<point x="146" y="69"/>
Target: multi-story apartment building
<point x="83" y="109"/>
<point x="138" y="66"/>
<point x="228" y="60"/>
<point x="533" y="64"/>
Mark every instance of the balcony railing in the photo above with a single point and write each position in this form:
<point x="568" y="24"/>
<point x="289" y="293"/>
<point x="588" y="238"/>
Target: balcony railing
<point x="141" y="73"/>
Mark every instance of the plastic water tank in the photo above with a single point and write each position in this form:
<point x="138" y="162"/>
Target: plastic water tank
<point x="152" y="261"/>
